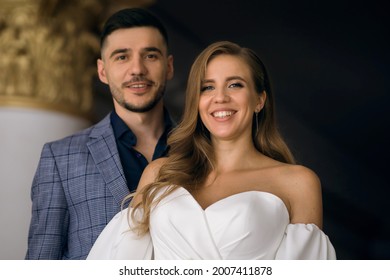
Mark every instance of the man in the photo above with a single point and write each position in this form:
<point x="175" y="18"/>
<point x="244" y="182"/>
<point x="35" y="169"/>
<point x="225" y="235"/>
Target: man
<point x="82" y="180"/>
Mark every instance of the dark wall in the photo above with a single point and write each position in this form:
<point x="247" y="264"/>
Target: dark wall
<point x="328" y="61"/>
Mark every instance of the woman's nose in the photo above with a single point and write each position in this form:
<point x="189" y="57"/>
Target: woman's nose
<point x="221" y="95"/>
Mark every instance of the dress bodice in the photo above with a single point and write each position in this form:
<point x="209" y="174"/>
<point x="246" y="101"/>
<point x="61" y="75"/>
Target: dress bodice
<point x="247" y="225"/>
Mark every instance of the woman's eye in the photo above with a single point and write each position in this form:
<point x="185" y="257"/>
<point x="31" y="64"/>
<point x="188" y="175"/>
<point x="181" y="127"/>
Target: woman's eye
<point x="236" y="85"/>
<point x="205" y="88"/>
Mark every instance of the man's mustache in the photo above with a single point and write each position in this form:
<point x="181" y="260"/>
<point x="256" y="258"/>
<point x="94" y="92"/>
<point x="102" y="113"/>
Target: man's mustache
<point x="138" y="79"/>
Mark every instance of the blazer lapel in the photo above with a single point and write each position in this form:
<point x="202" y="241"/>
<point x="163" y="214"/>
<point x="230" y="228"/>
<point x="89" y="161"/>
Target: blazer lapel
<point x="103" y="149"/>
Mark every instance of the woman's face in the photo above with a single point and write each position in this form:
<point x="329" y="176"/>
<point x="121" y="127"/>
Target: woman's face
<point x="228" y="98"/>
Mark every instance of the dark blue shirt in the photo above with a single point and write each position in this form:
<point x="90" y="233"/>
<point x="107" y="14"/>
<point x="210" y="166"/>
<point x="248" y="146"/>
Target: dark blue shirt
<point x="133" y="162"/>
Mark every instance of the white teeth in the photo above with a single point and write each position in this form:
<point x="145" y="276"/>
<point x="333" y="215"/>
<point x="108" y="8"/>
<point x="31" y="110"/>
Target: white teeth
<point x="222" y="114"/>
<point x="138" y="86"/>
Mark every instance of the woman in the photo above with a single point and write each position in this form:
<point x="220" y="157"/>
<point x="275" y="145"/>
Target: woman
<point x="229" y="188"/>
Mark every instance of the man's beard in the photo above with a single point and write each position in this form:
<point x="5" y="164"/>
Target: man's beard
<point x="147" y="107"/>
<point x="139" y="109"/>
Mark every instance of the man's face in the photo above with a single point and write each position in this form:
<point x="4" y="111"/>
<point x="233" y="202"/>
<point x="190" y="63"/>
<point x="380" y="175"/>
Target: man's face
<point x="136" y="66"/>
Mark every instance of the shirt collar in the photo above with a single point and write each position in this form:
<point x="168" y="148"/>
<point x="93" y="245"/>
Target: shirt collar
<point x="120" y="128"/>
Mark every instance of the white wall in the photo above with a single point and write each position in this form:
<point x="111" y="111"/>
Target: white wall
<point x="22" y="134"/>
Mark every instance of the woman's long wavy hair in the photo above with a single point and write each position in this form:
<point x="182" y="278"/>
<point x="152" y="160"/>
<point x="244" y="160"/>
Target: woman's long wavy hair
<point x="191" y="155"/>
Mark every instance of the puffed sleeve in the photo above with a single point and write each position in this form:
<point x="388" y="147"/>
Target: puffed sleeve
<point x="305" y="242"/>
<point x="118" y="242"/>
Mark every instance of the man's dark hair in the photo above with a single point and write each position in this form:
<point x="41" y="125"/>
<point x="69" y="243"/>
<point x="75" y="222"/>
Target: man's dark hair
<point x="132" y="17"/>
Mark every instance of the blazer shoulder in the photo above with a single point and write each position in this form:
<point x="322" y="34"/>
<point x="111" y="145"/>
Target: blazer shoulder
<point x="78" y="141"/>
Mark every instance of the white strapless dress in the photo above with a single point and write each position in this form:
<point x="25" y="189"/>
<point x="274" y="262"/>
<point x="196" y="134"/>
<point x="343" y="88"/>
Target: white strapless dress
<point x="245" y="226"/>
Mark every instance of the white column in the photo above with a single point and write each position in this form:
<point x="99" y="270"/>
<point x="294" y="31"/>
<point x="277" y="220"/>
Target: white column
<point x="23" y="132"/>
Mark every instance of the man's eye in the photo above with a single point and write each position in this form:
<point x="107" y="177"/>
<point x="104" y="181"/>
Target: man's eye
<point x="120" y="57"/>
<point x="151" y="56"/>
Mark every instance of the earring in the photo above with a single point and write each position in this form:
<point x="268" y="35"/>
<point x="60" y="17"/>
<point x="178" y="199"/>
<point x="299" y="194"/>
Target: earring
<point x="257" y="122"/>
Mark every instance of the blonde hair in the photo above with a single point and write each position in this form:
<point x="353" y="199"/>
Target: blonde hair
<point x="191" y="157"/>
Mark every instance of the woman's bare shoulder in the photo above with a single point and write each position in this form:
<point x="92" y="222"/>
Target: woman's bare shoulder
<point x="302" y="188"/>
<point x="148" y="176"/>
<point x="300" y="176"/>
<point x="156" y="164"/>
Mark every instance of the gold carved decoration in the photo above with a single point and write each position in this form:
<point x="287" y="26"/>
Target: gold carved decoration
<point x="48" y="52"/>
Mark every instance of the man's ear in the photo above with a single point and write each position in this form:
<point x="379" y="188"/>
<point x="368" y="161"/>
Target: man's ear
<point x="170" y="68"/>
<point x="101" y="71"/>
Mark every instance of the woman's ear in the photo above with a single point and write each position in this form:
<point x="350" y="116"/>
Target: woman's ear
<point x="262" y="97"/>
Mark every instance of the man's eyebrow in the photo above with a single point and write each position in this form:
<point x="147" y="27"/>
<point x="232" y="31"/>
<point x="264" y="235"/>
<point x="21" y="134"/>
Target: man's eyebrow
<point x="125" y="50"/>
<point x="153" y="49"/>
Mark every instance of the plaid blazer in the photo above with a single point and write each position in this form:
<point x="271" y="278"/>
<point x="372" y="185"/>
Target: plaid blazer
<point x="78" y="187"/>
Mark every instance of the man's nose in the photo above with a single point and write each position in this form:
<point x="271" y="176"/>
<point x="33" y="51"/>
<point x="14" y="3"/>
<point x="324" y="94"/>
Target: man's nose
<point x="137" y="66"/>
